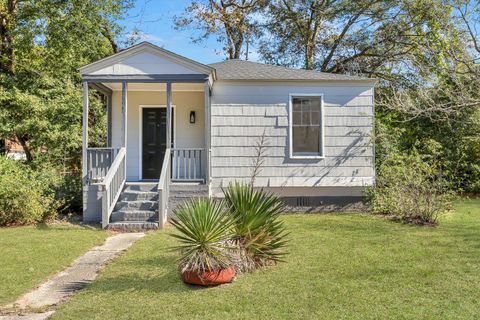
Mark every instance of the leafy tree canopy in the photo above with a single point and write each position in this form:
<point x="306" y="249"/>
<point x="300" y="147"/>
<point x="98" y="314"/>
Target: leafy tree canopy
<point x="43" y="43"/>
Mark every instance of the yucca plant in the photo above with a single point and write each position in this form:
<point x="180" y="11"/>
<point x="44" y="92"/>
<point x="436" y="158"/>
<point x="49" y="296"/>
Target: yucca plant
<point x="257" y="232"/>
<point x="204" y="229"/>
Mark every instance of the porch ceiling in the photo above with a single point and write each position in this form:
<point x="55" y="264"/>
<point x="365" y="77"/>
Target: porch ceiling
<point x="134" y="86"/>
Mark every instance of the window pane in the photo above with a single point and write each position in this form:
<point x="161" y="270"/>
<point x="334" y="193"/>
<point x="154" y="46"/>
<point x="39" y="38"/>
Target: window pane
<point x="305" y="105"/>
<point x="306" y="139"/>
<point x="306" y="118"/>
<point x="315" y="118"/>
<point x="315" y="104"/>
<point x="297" y="118"/>
<point x="297" y="104"/>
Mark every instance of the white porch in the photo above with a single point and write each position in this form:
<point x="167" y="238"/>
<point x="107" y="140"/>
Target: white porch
<point x="187" y="134"/>
<point x="158" y="127"/>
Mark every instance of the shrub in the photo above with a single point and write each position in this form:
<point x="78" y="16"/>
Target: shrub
<point x="66" y="187"/>
<point x="409" y="188"/>
<point x="25" y="194"/>
<point x="257" y="232"/>
<point x="69" y="193"/>
<point x="204" y="232"/>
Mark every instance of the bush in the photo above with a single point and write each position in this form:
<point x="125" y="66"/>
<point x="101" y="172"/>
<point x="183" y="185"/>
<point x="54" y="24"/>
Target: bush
<point x="69" y="192"/>
<point x="257" y="232"/>
<point x="26" y="196"/>
<point x="60" y="182"/>
<point x="204" y="232"/>
<point x="244" y="231"/>
<point x="410" y="189"/>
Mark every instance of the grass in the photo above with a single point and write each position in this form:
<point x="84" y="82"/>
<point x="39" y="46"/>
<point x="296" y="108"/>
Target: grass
<point x="340" y="266"/>
<point x="29" y="255"/>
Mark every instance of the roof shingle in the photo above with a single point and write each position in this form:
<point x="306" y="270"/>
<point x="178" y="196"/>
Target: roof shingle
<point x="235" y="69"/>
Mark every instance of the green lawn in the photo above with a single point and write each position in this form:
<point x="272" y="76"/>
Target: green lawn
<point x="29" y="255"/>
<point x="339" y="267"/>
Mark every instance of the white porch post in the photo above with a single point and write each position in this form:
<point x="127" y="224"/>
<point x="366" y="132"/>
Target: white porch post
<point x="109" y="120"/>
<point x="124" y="113"/>
<point x="169" y="115"/>
<point x="207" y="133"/>
<point x="85" y="134"/>
<point x="124" y="122"/>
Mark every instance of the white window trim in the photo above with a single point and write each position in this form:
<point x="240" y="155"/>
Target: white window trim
<point x="140" y="133"/>
<point x="290" y="126"/>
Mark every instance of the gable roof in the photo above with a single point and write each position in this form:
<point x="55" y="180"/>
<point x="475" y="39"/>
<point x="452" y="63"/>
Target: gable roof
<point x="150" y="48"/>
<point x="235" y="69"/>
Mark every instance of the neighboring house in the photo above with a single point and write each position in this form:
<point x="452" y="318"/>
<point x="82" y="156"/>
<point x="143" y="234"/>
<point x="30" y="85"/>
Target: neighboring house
<point x="14" y="150"/>
<point x="317" y="151"/>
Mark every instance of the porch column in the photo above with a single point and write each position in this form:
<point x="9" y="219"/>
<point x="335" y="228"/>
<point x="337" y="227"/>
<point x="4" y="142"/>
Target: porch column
<point x="85" y="134"/>
<point x="109" y="120"/>
<point x="124" y="113"/>
<point x="169" y="115"/>
<point x="207" y="133"/>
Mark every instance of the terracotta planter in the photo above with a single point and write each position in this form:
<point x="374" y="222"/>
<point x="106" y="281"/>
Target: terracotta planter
<point x="210" y="278"/>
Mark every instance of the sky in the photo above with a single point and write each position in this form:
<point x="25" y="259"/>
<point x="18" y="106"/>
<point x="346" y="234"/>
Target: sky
<point x="154" y="18"/>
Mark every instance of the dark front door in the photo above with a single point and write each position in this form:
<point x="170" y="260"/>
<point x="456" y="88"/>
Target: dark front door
<point x="154" y="124"/>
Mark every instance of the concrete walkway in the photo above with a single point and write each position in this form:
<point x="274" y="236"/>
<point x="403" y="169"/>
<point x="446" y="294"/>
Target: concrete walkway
<point x="82" y="272"/>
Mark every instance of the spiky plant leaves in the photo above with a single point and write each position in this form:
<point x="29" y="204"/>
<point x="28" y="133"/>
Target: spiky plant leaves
<point x="204" y="228"/>
<point x="258" y="232"/>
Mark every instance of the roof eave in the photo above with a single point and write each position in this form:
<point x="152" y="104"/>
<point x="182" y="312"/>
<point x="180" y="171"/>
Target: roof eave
<point x="367" y="80"/>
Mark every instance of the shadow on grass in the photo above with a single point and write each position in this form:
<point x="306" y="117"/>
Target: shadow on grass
<point x="59" y="225"/>
<point x="156" y="274"/>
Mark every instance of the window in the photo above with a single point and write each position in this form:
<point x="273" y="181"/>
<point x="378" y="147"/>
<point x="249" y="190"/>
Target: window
<point x="306" y="132"/>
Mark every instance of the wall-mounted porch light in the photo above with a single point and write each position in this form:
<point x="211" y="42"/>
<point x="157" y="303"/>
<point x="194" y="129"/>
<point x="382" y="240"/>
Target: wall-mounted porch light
<point x="192" y="116"/>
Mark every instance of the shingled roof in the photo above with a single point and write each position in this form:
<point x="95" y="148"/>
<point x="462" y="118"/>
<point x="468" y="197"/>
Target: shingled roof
<point x="235" y="69"/>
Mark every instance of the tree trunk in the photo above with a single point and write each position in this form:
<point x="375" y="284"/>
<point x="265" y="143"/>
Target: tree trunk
<point x="3" y="147"/>
<point x="26" y="148"/>
<point x="238" y="47"/>
<point x="7" y="24"/>
<point x="310" y="55"/>
<point x="109" y="36"/>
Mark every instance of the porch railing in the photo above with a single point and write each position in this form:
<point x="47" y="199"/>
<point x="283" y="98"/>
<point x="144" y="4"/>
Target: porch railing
<point x="187" y="164"/>
<point x="112" y="185"/>
<point x="164" y="189"/>
<point x="99" y="161"/>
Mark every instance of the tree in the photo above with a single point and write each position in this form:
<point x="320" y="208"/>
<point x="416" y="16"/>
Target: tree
<point x="363" y="36"/>
<point x="467" y="15"/>
<point x="43" y="43"/>
<point x="231" y="21"/>
<point x="438" y="113"/>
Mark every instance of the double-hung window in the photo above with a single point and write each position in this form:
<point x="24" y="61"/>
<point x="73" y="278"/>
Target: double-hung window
<point x="306" y="126"/>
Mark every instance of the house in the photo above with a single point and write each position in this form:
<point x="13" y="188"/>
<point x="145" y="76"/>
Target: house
<point x="178" y="128"/>
<point x="14" y="150"/>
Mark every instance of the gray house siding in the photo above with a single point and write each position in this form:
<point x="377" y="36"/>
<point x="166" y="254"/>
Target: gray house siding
<point x="92" y="203"/>
<point x="242" y="111"/>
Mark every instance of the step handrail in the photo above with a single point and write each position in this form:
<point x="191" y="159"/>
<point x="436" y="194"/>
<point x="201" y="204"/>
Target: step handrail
<point x="112" y="186"/>
<point x="164" y="189"/>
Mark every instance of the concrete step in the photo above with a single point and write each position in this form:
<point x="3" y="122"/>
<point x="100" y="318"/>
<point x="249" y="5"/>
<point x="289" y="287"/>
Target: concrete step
<point x="181" y="193"/>
<point x="140" y="186"/>
<point x="135" y="205"/>
<point x="174" y="204"/>
<point x="179" y="187"/>
<point x="135" y="216"/>
<point x="136" y="209"/>
<point x="188" y="191"/>
<point x="138" y="196"/>
<point x="132" y="226"/>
